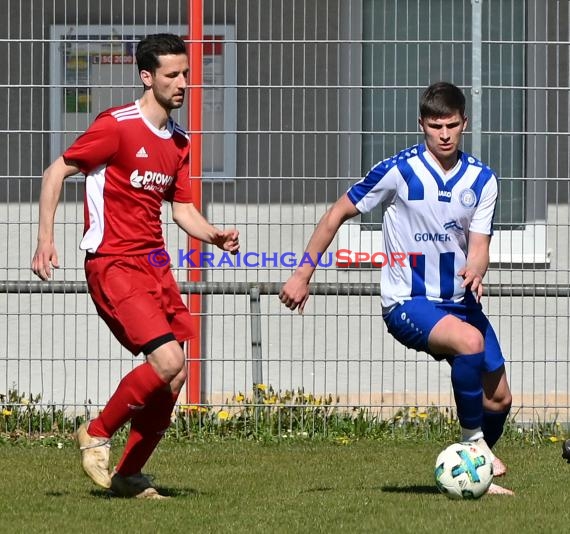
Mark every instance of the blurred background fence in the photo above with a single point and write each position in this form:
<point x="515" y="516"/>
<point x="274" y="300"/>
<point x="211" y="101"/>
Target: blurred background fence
<point x="298" y="99"/>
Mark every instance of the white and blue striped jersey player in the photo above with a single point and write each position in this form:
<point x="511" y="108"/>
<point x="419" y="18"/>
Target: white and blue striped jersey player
<point x="427" y="212"/>
<point x="428" y="215"/>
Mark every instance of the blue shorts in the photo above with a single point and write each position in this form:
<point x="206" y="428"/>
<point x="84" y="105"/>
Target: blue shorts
<point x="412" y="321"/>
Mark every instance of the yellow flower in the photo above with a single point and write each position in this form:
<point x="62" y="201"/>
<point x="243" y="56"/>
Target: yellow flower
<point x="261" y="387"/>
<point x="6" y="412"/>
<point x="423" y="415"/>
<point x="24" y="401"/>
<point x="223" y="415"/>
<point x="553" y="439"/>
<point x="192" y="408"/>
<point x="239" y="397"/>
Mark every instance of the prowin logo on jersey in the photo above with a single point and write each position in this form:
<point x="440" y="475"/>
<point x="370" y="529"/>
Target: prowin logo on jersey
<point x="154" y="181"/>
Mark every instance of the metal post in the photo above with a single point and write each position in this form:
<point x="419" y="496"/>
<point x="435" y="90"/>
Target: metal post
<point x="255" y="309"/>
<point x="195" y="50"/>
<point x="476" y="88"/>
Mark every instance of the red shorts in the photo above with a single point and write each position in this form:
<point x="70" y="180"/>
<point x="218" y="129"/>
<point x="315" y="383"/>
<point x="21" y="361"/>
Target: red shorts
<point x="140" y="303"/>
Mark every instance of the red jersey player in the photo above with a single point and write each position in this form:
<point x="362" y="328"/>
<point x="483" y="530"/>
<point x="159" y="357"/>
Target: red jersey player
<point x="134" y="157"/>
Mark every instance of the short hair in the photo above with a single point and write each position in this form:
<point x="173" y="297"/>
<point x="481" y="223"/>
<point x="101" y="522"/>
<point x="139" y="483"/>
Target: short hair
<point x="153" y="46"/>
<point x="441" y="99"/>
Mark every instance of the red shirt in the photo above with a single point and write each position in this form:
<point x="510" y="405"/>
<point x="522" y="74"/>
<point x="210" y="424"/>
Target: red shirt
<point x="131" y="167"/>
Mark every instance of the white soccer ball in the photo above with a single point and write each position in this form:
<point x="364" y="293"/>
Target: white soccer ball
<point x="463" y="471"/>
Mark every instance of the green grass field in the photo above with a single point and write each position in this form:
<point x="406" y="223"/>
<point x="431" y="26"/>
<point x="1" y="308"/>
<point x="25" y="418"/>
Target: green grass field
<point x="240" y="486"/>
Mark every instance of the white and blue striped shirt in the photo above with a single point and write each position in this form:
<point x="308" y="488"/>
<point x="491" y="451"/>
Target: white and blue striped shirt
<point x="429" y="212"/>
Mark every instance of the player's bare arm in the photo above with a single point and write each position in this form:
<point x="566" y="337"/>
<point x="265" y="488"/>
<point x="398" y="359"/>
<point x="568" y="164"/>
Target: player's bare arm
<point x="187" y="217"/>
<point x="295" y="291"/>
<point x="477" y="263"/>
<point x="45" y="256"/>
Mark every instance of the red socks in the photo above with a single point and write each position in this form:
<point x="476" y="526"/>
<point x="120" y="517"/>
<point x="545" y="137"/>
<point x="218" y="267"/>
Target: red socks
<point x="130" y="399"/>
<point x="147" y="428"/>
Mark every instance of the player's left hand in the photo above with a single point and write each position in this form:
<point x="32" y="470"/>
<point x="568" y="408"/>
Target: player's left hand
<point x="227" y="240"/>
<point x="473" y="281"/>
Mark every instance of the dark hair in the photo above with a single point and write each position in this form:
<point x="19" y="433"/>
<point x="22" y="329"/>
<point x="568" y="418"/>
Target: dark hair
<point x="159" y="44"/>
<point x="441" y="99"/>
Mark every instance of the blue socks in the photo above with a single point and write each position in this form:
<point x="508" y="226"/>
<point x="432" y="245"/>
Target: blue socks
<point x="492" y="426"/>
<point x="466" y="372"/>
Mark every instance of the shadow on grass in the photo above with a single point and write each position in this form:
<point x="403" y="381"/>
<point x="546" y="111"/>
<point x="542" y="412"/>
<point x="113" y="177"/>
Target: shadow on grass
<point x="387" y="489"/>
<point x="168" y="492"/>
<point x="410" y="489"/>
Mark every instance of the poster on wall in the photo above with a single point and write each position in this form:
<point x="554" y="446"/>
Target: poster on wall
<point x="94" y="68"/>
<point x="77" y="92"/>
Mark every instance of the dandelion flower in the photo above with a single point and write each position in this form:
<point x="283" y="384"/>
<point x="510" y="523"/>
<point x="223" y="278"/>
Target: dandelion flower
<point x="6" y="412"/>
<point x="239" y="397"/>
<point x="223" y="415"/>
<point x="261" y="387"/>
<point x="553" y="439"/>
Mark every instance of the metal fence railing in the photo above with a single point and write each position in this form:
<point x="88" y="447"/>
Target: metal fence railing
<point x="299" y="99"/>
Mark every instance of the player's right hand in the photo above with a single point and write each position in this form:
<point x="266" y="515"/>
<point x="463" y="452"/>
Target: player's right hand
<point x="295" y="293"/>
<point x="45" y="258"/>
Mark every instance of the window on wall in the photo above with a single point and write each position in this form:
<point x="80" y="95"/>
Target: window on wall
<point x="433" y="43"/>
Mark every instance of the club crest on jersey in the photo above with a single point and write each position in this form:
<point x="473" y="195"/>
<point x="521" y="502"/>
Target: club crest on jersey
<point x="150" y="180"/>
<point x="468" y="198"/>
